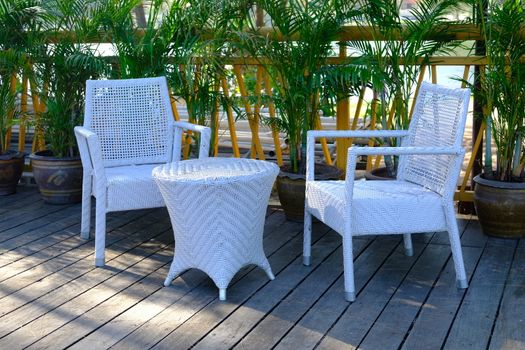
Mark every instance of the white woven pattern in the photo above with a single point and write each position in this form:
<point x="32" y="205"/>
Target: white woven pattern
<point x="132" y="119"/>
<point x="217" y="208"/>
<point x="132" y="187"/>
<point x="435" y="123"/>
<point x="420" y="200"/>
<point x="129" y="129"/>
<point x="392" y="212"/>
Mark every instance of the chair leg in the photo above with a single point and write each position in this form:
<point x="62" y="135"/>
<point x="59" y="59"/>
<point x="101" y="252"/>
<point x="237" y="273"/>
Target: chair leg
<point x="86" y="207"/>
<point x="100" y="232"/>
<point x="348" y="266"/>
<point x="407" y="240"/>
<point x="307" y="239"/>
<point x="455" y="246"/>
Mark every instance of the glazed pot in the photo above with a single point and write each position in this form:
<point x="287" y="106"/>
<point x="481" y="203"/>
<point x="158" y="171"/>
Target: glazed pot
<point x="500" y="207"/>
<point x="11" y="168"/>
<point x="59" y="179"/>
<point x="291" y="187"/>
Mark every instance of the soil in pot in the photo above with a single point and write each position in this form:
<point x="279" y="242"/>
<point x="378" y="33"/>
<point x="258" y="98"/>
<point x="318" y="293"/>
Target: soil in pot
<point x="59" y="179"/>
<point x="11" y="168"/>
<point x="291" y="188"/>
<point x="500" y="207"/>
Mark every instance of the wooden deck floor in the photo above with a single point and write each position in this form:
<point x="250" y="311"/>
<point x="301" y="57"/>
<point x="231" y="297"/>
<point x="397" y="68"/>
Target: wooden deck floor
<point x="51" y="296"/>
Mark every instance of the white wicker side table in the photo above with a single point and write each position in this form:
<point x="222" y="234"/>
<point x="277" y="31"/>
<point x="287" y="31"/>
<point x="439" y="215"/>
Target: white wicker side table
<point x="217" y="208"/>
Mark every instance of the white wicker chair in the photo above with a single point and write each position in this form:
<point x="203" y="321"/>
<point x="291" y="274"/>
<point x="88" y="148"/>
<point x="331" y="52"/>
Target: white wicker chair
<point x="128" y="130"/>
<point x="419" y="200"/>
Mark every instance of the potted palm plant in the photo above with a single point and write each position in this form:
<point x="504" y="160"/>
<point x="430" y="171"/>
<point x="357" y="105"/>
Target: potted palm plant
<point x="64" y="66"/>
<point x="11" y="162"/>
<point x="19" y="23"/>
<point x="293" y="61"/>
<point x="393" y="60"/>
<point x="499" y="195"/>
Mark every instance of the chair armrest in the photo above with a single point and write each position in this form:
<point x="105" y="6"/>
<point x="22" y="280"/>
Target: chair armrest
<point x="314" y="134"/>
<point x="90" y="154"/>
<point x="361" y="151"/>
<point x="357" y="133"/>
<point x="205" y="132"/>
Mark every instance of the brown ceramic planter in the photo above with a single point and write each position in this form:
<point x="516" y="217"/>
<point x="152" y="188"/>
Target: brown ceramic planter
<point x="378" y="174"/>
<point x="59" y="179"/>
<point x="291" y="188"/>
<point x="500" y="207"/>
<point x="11" y="168"/>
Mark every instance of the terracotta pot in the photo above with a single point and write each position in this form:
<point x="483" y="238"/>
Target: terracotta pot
<point x="378" y="174"/>
<point x="11" y="168"/>
<point x="59" y="179"/>
<point x="291" y="188"/>
<point x="500" y="207"/>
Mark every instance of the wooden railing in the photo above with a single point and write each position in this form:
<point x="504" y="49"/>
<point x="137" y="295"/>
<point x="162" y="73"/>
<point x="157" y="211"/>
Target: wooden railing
<point x="345" y="118"/>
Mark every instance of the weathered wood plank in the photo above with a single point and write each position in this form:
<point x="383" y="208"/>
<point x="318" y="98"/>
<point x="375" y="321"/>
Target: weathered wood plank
<point x="53" y="330"/>
<point x="40" y="270"/>
<point x="134" y="292"/>
<point x="509" y="331"/>
<point x="54" y="224"/>
<point x="357" y="319"/>
<point x="442" y="237"/>
<point x="276" y="235"/>
<point x="473" y="324"/>
<point x="160" y="326"/>
<point x="23" y="196"/>
<point x="118" y="242"/>
<point x="295" y="277"/>
<point x="318" y="320"/>
<point x="394" y="322"/>
<point x="437" y="313"/>
<point x="276" y="322"/>
<point x="288" y="273"/>
<point x="53" y="297"/>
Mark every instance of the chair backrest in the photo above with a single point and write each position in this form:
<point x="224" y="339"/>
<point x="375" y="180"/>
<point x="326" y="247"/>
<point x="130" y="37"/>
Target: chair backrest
<point x="132" y="118"/>
<point x="438" y="121"/>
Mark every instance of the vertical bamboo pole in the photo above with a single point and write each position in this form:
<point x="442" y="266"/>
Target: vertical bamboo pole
<point x="477" y="143"/>
<point x="389" y="127"/>
<point x="231" y="120"/>
<point x="39" y="107"/>
<point x="324" y="143"/>
<point x="187" y="140"/>
<point x="253" y="122"/>
<point x="372" y="127"/>
<point x="42" y="106"/>
<point x="23" y="111"/>
<point x="36" y="111"/>
<point x="357" y="112"/>
<point x="419" y="82"/>
<point x="275" y="132"/>
<point x="342" y="123"/>
<point x="434" y="74"/>
<point x="466" y="73"/>
<point x="475" y="149"/>
<point x="215" y="122"/>
<point x="11" y="112"/>
<point x="173" y="103"/>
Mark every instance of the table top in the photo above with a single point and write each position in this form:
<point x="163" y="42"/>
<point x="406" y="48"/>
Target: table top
<point x="214" y="170"/>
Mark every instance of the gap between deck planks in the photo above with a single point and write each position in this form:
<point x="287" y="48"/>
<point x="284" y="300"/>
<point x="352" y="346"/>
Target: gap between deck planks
<point x="51" y="296"/>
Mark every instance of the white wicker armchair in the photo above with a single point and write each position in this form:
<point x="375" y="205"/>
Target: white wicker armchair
<point x="128" y="130"/>
<point x="419" y="200"/>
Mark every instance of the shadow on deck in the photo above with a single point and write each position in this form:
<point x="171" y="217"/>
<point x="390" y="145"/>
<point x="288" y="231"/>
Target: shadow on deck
<point x="51" y="296"/>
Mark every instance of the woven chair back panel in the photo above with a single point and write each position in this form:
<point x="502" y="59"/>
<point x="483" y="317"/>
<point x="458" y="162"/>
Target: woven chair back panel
<point x="436" y="122"/>
<point x="132" y="122"/>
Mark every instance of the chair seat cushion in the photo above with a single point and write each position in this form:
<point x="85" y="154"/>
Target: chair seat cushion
<point x="132" y="187"/>
<point x="379" y="207"/>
